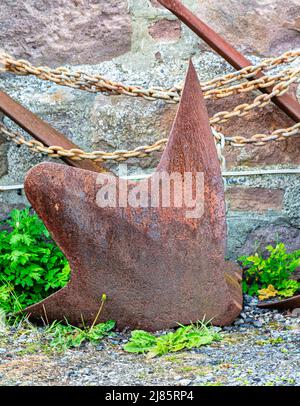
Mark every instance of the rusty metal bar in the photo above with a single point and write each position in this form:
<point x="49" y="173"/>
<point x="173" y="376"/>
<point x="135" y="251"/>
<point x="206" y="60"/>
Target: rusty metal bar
<point x="42" y="131"/>
<point x="286" y="103"/>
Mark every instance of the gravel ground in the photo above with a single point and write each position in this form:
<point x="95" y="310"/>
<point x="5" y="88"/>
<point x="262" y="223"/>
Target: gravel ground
<point x="261" y="348"/>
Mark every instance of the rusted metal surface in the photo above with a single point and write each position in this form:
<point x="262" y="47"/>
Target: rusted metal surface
<point x="157" y="266"/>
<point x="42" y="131"/>
<point x="286" y="103"/>
<point x="285" y="304"/>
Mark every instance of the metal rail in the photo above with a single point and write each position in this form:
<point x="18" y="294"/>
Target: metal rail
<point x="227" y="174"/>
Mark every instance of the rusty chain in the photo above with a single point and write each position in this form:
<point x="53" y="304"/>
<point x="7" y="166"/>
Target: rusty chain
<point x="145" y="150"/>
<point x="284" y="79"/>
<point x="260" y="101"/>
<point x="97" y="83"/>
<point x="212" y="89"/>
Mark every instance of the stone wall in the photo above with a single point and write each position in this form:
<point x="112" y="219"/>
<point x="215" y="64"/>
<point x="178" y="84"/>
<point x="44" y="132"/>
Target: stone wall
<point x="139" y="42"/>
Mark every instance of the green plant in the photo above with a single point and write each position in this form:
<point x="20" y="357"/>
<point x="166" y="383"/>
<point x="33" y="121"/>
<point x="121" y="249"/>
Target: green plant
<point x="31" y="265"/>
<point x="65" y="336"/>
<point x="9" y="301"/>
<point x="191" y="336"/>
<point x="271" y="276"/>
<point x="272" y="341"/>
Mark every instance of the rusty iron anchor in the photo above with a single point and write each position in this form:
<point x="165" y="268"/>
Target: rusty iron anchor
<point x="156" y="266"/>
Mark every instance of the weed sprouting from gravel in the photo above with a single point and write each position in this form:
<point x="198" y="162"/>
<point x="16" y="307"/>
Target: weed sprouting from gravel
<point x="185" y="337"/>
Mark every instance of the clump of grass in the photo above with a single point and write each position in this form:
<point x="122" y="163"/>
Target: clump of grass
<point x="185" y="337"/>
<point x="54" y="338"/>
<point x="65" y="336"/>
<point x="9" y="299"/>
